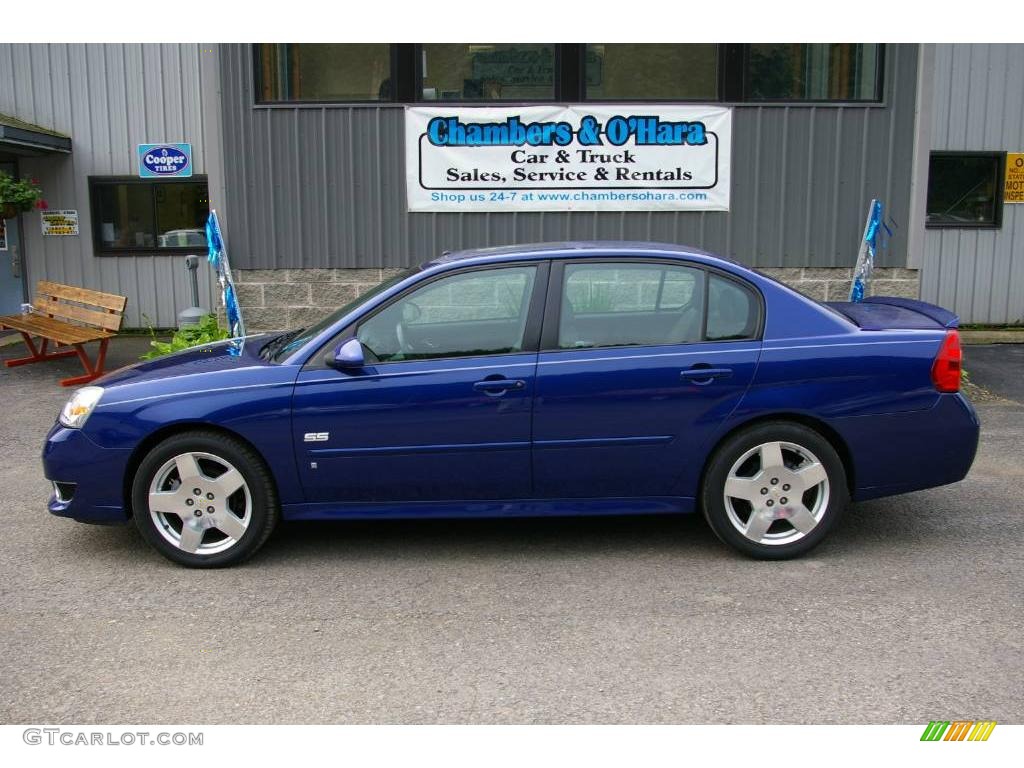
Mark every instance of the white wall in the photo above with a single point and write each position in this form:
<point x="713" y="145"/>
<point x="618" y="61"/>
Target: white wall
<point x="978" y="105"/>
<point x="110" y="98"/>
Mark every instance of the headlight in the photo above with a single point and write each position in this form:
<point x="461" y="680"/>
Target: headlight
<point x="78" y="408"/>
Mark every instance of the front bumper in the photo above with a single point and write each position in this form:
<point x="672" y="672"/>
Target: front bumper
<point x="96" y="474"/>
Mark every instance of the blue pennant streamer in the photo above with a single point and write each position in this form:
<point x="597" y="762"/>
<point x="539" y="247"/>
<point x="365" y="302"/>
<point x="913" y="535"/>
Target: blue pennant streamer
<point x="218" y="259"/>
<point x="862" y="274"/>
<point x="231" y="305"/>
<point x="214" y="241"/>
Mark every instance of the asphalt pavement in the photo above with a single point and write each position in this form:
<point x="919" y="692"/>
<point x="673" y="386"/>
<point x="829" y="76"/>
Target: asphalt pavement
<point x="997" y="367"/>
<point x="910" y="612"/>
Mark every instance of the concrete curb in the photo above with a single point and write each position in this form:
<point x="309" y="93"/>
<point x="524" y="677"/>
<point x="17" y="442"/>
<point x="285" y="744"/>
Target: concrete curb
<point x="992" y="337"/>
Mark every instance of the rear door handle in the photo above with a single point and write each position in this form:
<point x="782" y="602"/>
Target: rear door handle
<point x="705" y="375"/>
<point x="498" y="386"/>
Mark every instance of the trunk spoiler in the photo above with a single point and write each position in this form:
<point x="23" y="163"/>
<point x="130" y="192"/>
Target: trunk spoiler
<point x="943" y="317"/>
<point x="890" y="313"/>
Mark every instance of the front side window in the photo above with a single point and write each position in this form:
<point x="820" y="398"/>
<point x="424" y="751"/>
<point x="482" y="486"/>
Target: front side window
<point x="612" y="305"/>
<point x="133" y="215"/>
<point x="651" y="71"/>
<point x="964" y="189"/>
<point x="324" y="72"/>
<point x="812" y="72"/>
<point x="488" y="72"/>
<point x="482" y="312"/>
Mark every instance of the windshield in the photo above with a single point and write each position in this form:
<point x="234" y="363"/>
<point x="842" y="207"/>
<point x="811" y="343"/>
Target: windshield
<point x="300" y="337"/>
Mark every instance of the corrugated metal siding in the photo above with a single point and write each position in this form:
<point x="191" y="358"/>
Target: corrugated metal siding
<point x="108" y="98"/>
<point x="978" y="106"/>
<point x="324" y="186"/>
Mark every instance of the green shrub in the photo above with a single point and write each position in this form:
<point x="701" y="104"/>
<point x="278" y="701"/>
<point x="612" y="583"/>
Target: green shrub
<point x="205" y="332"/>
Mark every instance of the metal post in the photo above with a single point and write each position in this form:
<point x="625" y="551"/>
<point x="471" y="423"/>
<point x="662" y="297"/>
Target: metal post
<point x="193" y="314"/>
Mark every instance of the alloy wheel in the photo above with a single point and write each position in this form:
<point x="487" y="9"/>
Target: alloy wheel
<point x="200" y="503"/>
<point x="776" y="493"/>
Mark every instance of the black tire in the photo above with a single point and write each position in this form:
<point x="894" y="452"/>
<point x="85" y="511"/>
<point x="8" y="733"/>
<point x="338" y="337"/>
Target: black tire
<point x="724" y="523"/>
<point x="263" y="508"/>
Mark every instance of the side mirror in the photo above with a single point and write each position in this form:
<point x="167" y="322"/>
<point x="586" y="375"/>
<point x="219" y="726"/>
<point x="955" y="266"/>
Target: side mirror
<point x="348" y="356"/>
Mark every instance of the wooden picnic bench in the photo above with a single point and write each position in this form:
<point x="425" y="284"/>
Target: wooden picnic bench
<point x="69" y="317"/>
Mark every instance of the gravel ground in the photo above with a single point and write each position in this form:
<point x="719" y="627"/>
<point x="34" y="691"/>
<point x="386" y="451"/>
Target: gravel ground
<point x="910" y="612"/>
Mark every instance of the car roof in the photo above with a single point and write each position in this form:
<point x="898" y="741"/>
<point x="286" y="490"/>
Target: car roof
<point x="578" y="248"/>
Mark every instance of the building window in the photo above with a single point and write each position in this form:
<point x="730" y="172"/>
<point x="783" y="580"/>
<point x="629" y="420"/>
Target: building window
<point x="324" y="72"/>
<point x="401" y="73"/>
<point x="964" y="189"/>
<point x="486" y="72"/>
<point x="132" y="215"/>
<point x="812" y="72"/>
<point x="651" y="72"/>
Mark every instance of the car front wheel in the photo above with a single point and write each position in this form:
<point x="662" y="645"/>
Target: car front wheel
<point x="775" y="490"/>
<point x="204" y="500"/>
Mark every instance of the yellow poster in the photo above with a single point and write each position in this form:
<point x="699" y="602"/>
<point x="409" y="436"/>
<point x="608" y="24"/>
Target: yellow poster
<point x="59" y="223"/>
<point x="1013" y="189"/>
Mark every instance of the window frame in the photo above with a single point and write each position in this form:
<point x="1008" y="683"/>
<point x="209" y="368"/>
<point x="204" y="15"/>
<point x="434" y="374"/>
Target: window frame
<point x="257" y="80"/>
<point x="531" y="331"/>
<point x="557" y="85"/>
<point x="1000" y="175"/>
<point x="740" y="82"/>
<point x="718" y="98"/>
<point x="569" y="83"/>
<point x="99" y="249"/>
<point x="556" y="287"/>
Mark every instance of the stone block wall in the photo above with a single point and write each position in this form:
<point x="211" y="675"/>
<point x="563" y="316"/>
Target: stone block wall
<point x="276" y="299"/>
<point x="833" y="283"/>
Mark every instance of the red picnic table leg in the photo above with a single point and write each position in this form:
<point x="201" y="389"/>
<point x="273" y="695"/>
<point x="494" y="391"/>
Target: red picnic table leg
<point x="91" y="371"/>
<point x="37" y="355"/>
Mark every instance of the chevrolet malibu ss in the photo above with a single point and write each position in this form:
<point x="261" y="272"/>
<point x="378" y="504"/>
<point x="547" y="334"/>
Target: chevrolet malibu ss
<point x="560" y="379"/>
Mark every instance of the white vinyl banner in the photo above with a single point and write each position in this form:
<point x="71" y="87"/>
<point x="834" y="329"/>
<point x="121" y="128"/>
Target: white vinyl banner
<point x="568" y="158"/>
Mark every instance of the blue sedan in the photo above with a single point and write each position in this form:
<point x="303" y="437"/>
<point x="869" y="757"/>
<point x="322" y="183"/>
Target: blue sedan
<point x="565" y="379"/>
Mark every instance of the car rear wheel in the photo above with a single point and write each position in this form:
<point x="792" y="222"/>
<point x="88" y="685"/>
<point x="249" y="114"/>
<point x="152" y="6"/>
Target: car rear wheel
<point x="775" y="490"/>
<point x="204" y="500"/>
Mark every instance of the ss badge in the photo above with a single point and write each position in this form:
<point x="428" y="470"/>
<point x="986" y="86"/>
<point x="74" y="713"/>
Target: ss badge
<point x="316" y="437"/>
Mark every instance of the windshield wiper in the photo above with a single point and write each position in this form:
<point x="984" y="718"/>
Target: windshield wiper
<point x="272" y="347"/>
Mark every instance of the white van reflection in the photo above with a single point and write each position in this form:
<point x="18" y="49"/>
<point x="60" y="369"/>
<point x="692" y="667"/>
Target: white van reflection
<point x="182" y="238"/>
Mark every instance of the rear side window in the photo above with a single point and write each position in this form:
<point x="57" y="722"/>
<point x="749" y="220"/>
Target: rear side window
<point x="732" y="311"/>
<point x="611" y="305"/>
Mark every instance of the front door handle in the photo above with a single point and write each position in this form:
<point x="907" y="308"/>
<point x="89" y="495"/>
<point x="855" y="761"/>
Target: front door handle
<point x="703" y="376"/>
<point x="498" y="386"/>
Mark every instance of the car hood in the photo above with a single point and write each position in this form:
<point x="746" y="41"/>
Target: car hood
<point x="206" y="358"/>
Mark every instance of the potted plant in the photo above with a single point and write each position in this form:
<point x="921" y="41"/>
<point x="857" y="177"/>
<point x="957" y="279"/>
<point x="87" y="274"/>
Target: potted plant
<point x="19" y="195"/>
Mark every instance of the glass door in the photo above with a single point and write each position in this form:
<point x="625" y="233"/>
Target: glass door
<point x="12" y="292"/>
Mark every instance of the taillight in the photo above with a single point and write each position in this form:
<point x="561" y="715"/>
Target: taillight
<point x="946" y="368"/>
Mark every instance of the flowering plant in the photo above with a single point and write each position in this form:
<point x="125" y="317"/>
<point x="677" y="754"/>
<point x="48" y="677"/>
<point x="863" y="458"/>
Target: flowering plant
<point x="20" y="194"/>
